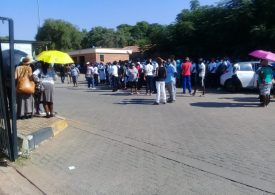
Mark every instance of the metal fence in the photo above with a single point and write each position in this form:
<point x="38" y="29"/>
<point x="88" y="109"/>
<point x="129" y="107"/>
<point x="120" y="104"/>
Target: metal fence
<point x="8" y="129"/>
<point x="4" y="125"/>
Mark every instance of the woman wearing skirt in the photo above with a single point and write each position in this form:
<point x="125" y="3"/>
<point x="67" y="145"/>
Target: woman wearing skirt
<point x="48" y="76"/>
<point x="25" y="102"/>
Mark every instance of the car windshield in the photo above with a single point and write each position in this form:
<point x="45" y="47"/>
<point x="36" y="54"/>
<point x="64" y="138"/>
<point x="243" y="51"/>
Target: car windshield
<point x="245" y="67"/>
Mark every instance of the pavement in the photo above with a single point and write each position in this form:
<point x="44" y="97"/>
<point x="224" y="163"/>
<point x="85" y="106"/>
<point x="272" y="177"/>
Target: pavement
<point x="13" y="183"/>
<point x="31" y="133"/>
<point x="118" y="143"/>
<point x="34" y="131"/>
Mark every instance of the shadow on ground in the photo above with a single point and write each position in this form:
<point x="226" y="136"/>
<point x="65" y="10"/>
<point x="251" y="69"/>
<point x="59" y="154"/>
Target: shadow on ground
<point x="117" y="94"/>
<point x="136" y="101"/>
<point x="243" y="99"/>
<point x="223" y="104"/>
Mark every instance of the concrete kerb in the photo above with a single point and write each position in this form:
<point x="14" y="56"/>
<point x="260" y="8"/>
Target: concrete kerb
<point x="29" y="142"/>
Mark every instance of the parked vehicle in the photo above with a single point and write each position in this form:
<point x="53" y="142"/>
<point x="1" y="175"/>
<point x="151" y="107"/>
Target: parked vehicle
<point x="240" y="75"/>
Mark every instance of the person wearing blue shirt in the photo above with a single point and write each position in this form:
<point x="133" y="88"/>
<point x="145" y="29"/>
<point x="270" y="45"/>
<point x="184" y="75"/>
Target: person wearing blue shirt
<point x="178" y="78"/>
<point x="170" y="81"/>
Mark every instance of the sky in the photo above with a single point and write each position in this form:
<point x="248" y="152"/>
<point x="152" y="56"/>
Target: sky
<point x="86" y="14"/>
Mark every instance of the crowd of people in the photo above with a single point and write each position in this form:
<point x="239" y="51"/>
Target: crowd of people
<point x="156" y="75"/>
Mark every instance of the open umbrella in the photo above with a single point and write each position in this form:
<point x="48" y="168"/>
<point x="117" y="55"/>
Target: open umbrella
<point x="18" y="55"/>
<point x="266" y="55"/>
<point x="55" y="57"/>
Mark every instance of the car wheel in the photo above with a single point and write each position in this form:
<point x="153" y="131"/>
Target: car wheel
<point x="230" y="86"/>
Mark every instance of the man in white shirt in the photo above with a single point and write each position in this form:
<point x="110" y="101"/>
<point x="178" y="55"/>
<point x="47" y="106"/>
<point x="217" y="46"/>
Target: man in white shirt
<point x="155" y="66"/>
<point x="149" y="76"/>
<point x="114" y="73"/>
<point x="201" y="77"/>
<point x="95" y="74"/>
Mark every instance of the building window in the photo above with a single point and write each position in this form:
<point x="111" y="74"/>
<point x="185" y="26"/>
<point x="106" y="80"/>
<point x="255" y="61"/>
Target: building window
<point x="101" y="56"/>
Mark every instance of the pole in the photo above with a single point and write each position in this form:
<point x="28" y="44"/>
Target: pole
<point x="38" y="13"/>
<point x="12" y="104"/>
<point x="14" y="152"/>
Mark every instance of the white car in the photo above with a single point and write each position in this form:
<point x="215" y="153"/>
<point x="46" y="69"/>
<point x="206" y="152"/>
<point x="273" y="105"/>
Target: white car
<point x="240" y="75"/>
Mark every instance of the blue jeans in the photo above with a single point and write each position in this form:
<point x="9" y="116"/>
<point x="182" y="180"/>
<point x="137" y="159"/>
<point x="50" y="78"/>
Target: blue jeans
<point x="186" y="80"/>
<point x="91" y="81"/>
<point x="171" y="90"/>
<point x="62" y="79"/>
<point x="149" y="84"/>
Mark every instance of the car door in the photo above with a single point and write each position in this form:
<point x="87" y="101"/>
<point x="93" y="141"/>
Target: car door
<point x="255" y="80"/>
<point x="246" y="75"/>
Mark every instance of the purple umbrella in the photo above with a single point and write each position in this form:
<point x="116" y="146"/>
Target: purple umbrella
<point x="266" y="55"/>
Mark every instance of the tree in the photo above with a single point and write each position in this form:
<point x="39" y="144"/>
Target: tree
<point x="99" y="37"/>
<point x="194" y="4"/>
<point x="124" y="32"/>
<point x="4" y="38"/>
<point x="62" y="35"/>
<point x="140" y="30"/>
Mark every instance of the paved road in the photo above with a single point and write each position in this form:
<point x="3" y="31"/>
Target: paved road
<point x="122" y="144"/>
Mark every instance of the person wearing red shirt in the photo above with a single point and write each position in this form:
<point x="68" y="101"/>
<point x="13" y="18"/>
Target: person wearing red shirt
<point x="186" y="75"/>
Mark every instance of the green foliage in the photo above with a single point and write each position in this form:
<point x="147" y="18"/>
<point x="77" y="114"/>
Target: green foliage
<point x="62" y="35"/>
<point x="231" y="27"/>
<point x="4" y="38"/>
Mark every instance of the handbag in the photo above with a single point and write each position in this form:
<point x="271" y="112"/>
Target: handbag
<point x="24" y="84"/>
<point x="39" y="87"/>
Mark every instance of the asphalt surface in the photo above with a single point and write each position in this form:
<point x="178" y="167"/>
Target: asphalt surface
<point x="119" y="143"/>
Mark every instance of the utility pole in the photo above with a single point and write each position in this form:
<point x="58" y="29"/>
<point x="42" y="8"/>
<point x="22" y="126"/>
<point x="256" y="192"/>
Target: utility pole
<point x="38" y="13"/>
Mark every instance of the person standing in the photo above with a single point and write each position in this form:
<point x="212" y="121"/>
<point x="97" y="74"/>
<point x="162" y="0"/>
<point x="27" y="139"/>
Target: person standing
<point x="74" y="72"/>
<point x="114" y="73"/>
<point x="132" y="74"/>
<point x="160" y="82"/>
<point x="47" y="77"/>
<point x="221" y="67"/>
<point x="170" y="81"/>
<point x="25" y="102"/>
<point x="138" y="67"/>
<point x="194" y="75"/>
<point x="62" y="73"/>
<point x="265" y="82"/>
<point x="90" y="75"/>
<point x="201" y="77"/>
<point x="173" y="61"/>
<point x="179" y="76"/>
<point x="186" y="75"/>
<point x="102" y="74"/>
<point x="212" y="80"/>
<point x="95" y="74"/>
<point x="38" y="90"/>
<point x="69" y="75"/>
<point x="149" y="77"/>
<point x="155" y="65"/>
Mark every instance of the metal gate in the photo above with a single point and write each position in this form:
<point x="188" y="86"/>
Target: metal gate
<point x="8" y="130"/>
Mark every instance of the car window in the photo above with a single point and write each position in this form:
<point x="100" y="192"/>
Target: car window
<point x="246" y="67"/>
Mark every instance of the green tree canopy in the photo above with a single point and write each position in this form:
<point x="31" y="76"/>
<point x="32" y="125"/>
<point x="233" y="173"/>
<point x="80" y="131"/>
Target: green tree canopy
<point x="62" y="35"/>
<point x="229" y="28"/>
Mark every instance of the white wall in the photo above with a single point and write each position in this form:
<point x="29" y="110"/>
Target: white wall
<point x="25" y="47"/>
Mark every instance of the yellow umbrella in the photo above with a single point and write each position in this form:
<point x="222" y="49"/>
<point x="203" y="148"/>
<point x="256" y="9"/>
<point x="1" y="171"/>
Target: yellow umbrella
<point x="55" y="57"/>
